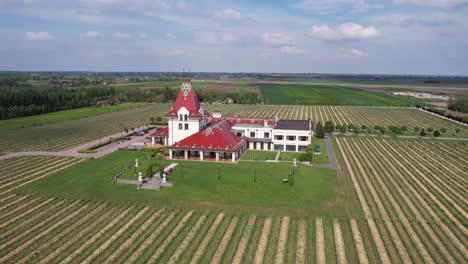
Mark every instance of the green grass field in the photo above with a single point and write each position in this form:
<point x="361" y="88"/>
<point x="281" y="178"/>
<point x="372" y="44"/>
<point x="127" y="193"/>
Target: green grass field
<point x="258" y="155"/>
<point x="294" y="94"/>
<point x="60" y="116"/>
<point x="197" y="183"/>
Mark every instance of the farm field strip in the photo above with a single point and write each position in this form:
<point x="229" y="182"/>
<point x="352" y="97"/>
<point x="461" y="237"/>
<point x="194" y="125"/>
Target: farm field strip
<point x="224" y="241"/>
<point x="18" y="216"/>
<point x="430" y="233"/>
<point x="339" y="242"/>
<point x="361" y="250"/>
<point x="204" y="244"/>
<point x="13" y="202"/>
<point x="283" y="238"/>
<point x="407" y="226"/>
<point x="242" y="246"/>
<point x="185" y="243"/>
<point x="32" y="171"/>
<point x="262" y="244"/>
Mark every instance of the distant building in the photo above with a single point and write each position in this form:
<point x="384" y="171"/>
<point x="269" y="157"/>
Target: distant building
<point x="102" y="103"/>
<point x="193" y="134"/>
<point x="229" y="100"/>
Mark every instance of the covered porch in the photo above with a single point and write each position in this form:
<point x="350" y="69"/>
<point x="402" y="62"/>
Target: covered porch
<point x="207" y="155"/>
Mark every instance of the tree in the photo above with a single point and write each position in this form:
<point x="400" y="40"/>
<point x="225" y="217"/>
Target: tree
<point x="382" y="129"/>
<point x="319" y="130"/>
<point x="430" y="129"/>
<point x="403" y="129"/>
<point x="158" y="119"/>
<point x="356" y="131"/>
<point x="443" y="130"/>
<point x="351" y="127"/>
<point x="151" y="119"/>
<point x="343" y="129"/>
<point x="329" y="126"/>
<point x="364" y="127"/>
<point x="422" y="133"/>
<point x="436" y="133"/>
<point x="415" y="129"/>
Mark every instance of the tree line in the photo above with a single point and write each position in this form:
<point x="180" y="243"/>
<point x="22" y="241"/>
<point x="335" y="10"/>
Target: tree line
<point x="26" y="102"/>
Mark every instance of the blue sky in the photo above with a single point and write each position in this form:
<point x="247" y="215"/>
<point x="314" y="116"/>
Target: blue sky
<point x="322" y="36"/>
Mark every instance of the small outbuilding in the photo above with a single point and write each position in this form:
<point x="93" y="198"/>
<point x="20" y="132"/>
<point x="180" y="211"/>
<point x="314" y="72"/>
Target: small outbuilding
<point x="316" y="149"/>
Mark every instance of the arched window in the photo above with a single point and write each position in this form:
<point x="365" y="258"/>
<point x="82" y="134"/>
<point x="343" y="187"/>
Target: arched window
<point x="180" y="117"/>
<point x="185" y="117"/>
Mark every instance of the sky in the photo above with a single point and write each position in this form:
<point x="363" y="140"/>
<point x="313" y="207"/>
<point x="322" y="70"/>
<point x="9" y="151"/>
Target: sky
<point x="426" y="37"/>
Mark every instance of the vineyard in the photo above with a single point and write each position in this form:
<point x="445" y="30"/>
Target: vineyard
<point x="64" y="135"/>
<point x="413" y="195"/>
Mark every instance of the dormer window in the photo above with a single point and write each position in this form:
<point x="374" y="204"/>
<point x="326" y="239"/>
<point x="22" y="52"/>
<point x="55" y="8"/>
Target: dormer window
<point x="180" y="117"/>
<point x="185" y="117"/>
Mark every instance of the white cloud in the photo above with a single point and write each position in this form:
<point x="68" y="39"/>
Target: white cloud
<point x="90" y="34"/>
<point x="169" y="36"/>
<point x="334" y="6"/>
<point x="214" y="38"/>
<point x="38" y="35"/>
<point x="119" y="35"/>
<point x="176" y="52"/>
<point x="290" y="50"/>
<point x="351" y="54"/>
<point x="433" y="3"/>
<point x="228" y="14"/>
<point x="343" y="31"/>
<point x="277" y="39"/>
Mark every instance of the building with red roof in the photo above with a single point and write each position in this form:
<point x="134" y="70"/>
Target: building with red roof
<point x="193" y="134"/>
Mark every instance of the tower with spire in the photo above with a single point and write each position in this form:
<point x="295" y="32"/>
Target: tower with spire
<point x="186" y="116"/>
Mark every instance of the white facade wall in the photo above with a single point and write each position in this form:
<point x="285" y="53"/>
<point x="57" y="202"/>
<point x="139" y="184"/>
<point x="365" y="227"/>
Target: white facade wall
<point x="296" y="133"/>
<point x="194" y="125"/>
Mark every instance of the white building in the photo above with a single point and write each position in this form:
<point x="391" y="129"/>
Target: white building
<point x="192" y="133"/>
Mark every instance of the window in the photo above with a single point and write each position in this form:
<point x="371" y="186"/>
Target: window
<point x="186" y="126"/>
<point x="180" y="126"/>
<point x="279" y="137"/>
<point x="180" y="117"/>
<point x="303" y="138"/>
<point x="239" y="134"/>
<point x="266" y="135"/>
<point x="252" y="134"/>
<point x="290" y="147"/>
<point x="278" y="147"/>
<point x="291" y="138"/>
<point x="185" y="117"/>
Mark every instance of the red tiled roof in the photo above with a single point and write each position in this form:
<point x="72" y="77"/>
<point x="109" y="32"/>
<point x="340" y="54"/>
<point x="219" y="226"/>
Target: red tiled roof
<point x="216" y="137"/>
<point x="188" y="99"/>
<point x="161" y="133"/>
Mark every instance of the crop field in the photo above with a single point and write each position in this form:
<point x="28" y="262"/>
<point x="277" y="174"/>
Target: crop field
<point x="69" y="133"/>
<point x="356" y="115"/>
<point x="413" y="195"/>
<point x="66" y="134"/>
<point x="293" y="94"/>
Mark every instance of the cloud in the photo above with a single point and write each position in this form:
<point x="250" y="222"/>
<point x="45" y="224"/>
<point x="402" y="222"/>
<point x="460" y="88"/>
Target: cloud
<point x="343" y="31"/>
<point x="277" y="39"/>
<point x="334" y="6"/>
<point x="176" y="52"/>
<point x="213" y="38"/>
<point x="169" y="36"/>
<point x="90" y="34"/>
<point x="119" y="35"/>
<point x="290" y="50"/>
<point x="351" y="54"/>
<point x="38" y="35"/>
<point x="433" y="3"/>
<point x="228" y="14"/>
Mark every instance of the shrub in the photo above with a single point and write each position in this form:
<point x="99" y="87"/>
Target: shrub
<point x="307" y="156"/>
<point x="159" y="155"/>
<point x="443" y="130"/>
<point x="343" y="129"/>
<point x="86" y="151"/>
<point x="422" y="133"/>
<point x="430" y="129"/>
<point x="329" y="126"/>
<point x="436" y="133"/>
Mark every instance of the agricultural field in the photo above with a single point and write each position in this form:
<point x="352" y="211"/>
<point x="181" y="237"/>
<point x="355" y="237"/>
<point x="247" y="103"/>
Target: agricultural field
<point x="59" y="116"/>
<point x="413" y="196"/>
<point x="64" y="135"/>
<point x="294" y="94"/>
<point x="356" y="115"/>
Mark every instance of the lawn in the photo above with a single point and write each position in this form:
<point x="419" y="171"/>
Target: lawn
<point x="197" y="183"/>
<point x="258" y="155"/>
<point x="321" y="158"/>
<point x="290" y="156"/>
<point x="285" y="94"/>
<point x="63" y="115"/>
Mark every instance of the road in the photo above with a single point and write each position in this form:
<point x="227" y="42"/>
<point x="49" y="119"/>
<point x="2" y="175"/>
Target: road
<point x="331" y="157"/>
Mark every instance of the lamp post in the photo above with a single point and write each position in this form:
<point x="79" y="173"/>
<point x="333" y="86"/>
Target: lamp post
<point x="219" y="174"/>
<point x="255" y="176"/>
